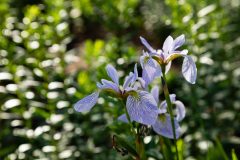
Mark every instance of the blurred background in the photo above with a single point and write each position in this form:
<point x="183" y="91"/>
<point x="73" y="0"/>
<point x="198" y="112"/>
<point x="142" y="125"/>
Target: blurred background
<point x="53" y="51"/>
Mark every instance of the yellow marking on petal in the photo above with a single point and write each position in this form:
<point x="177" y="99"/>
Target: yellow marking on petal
<point x="172" y="57"/>
<point x="146" y="59"/>
<point x="134" y="94"/>
<point x="158" y="59"/>
<point x="162" y="118"/>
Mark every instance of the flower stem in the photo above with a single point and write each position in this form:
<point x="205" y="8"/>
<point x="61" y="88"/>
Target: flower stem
<point x="140" y="145"/>
<point x="169" y="108"/>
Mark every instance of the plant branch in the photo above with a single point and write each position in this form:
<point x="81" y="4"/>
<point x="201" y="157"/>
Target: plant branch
<point x="170" y="110"/>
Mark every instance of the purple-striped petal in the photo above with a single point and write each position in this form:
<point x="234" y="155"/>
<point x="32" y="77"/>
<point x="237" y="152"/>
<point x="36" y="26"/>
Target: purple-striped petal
<point x="86" y="104"/>
<point x="108" y="85"/>
<point x="128" y="80"/>
<point x="155" y="93"/>
<point x="163" y="127"/>
<point x="189" y="69"/>
<point x="112" y="73"/>
<point x="135" y="72"/>
<point x="168" y="45"/>
<point x="142" y="107"/>
<point x="142" y="82"/>
<point x="181" y="112"/>
<point x="151" y="70"/>
<point x="164" y="103"/>
<point x="147" y="45"/>
<point x="179" y="41"/>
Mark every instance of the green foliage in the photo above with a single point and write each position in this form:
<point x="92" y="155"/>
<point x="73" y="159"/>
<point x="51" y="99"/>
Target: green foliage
<point x="53" y="51"/>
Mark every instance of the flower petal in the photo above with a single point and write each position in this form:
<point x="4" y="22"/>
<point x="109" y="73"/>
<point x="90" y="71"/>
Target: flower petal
<point x="147" y="45"/>
<point x="123" y="118"/>
<point x="155" y="93"/>
<point x="135" y="72"/>
<point x="179" y="41"/>
<point x="181" y="112"/>
<point x="168" y="45"/>
<point x="163" y="105"/>
<point x="173" y="97"/>
<point x="175" y="55"/>
<point x="108" y="85"/>
<point x="112" y="73"/>
<point x="86" y="104"/>
<point x="151" y="70"/>
<point x="189" y="69"/>
<point x="128" y="80"/>
<point x="168" y="66"/>
<point x="142" y="82"/>
<point x="163" y="127"/>
<point x="142" y="107"/>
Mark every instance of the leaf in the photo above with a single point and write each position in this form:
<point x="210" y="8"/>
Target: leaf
<point x="221" y="150"/>
<point x="119" y="141"/>
<point x="234" y="156"/>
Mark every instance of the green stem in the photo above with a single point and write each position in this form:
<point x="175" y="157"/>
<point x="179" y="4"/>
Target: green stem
<point x="170" y="110"/>
<point x="140" y="146"/>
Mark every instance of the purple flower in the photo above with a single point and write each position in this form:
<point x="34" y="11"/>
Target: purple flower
<point x="142" y="107"/>
<point x="140" y="104"/>
<point x="150" y="68"/>
<point x="143" y="111"/>
<point x="165" y="56"/>
<point x="163" y="124"/>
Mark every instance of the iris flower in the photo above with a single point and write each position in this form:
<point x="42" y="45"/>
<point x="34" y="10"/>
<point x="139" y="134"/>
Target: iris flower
<point x="141" y="105"/>
<point x="163" y="125"/>
<point x="164" y="57"/>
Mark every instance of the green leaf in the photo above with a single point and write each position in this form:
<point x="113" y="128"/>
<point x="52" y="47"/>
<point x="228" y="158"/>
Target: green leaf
<point x="234" y="156"/>
<point x="180" y="145"/>
<point x="221" y="150"/>
<point x="119" y="141"/>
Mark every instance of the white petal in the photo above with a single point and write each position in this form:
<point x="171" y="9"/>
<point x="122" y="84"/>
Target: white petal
<point x="181" y="112"/>
<point x="176" y="54"/>
<point x="179" y="41"/>
<point x="173" y="97"/>
<point x="128" y="80"/>
<point x="168" y="66"/>
<point x="168" y="45"/>
<point x="147" y="45"/>
<point x="112" y="73"/>
<point x="163" y="105"/>
<point x="135" y="71"/>
<point x="86" y="104"/>
<point x="155" y="93"/>
<point x="189" y="69"/>
<point x="184" y="52"/>
<point x="142" y="82"/>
